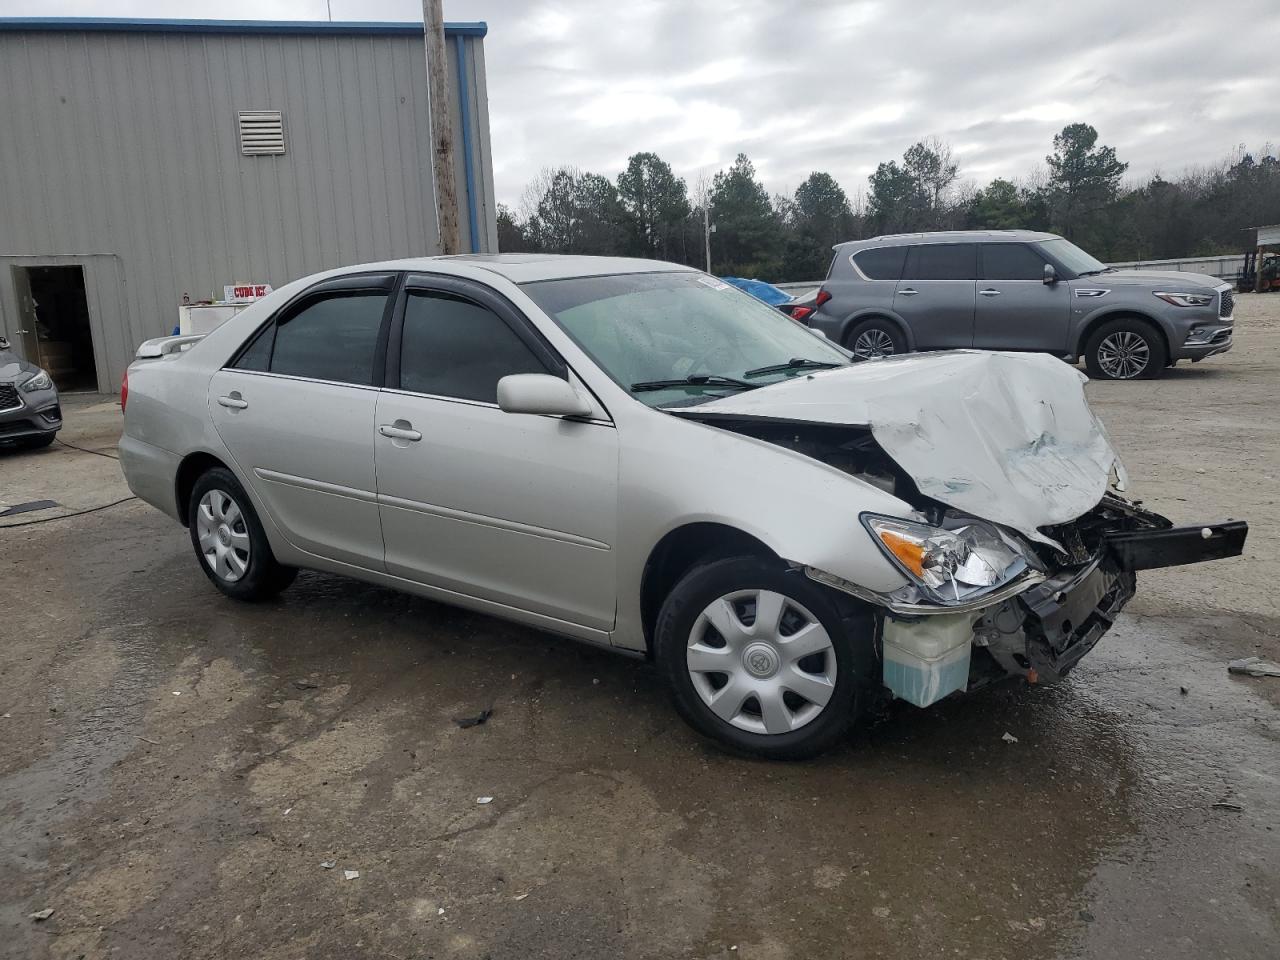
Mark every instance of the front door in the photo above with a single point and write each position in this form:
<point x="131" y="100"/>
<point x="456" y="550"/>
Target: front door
<point x="516" y="509"/>
<point x="936" y="295"/>
<point x="1016" y="309"/>
<point x="296" y="409"/>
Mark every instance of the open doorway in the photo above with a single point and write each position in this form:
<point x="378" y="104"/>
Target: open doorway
<point x="55" y="324"/>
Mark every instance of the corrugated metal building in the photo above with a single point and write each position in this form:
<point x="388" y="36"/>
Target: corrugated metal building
<point x="144" y="160"/>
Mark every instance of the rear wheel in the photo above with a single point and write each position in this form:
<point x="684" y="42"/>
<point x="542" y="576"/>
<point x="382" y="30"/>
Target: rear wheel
<point x="759" y="659"/>
<point x="229" y="540"/>
<point x="1125" y="349"/>
<point x="874" y="338"/>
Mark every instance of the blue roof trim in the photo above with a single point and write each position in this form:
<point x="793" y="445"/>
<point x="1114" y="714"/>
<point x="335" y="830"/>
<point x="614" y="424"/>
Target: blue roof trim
<point x="122" y="25"/>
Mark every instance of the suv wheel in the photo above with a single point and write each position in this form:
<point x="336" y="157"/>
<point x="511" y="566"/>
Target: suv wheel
<point x="875" y="338"/>
<point x="229" y="540"/>
<point x="759" y="659"/>
<point x="1125" y="349"/>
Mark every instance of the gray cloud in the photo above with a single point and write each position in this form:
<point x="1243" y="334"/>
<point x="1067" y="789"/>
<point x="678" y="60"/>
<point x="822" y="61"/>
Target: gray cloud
<point x="838" y="86"/>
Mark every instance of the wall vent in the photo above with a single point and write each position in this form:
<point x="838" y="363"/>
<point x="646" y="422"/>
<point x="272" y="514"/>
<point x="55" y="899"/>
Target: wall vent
<point x="261" y="132"/>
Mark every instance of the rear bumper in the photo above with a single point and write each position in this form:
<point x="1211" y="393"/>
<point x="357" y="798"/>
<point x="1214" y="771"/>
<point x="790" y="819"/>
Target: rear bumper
<point x="151" y="472"/>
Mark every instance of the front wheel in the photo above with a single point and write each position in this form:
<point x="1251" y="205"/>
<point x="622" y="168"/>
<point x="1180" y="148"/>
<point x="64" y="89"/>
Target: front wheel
<point x="875" y="338"/>
<point x="1125" y="349"/>
<point x="229" y="540"/>
<point x="759" y="659"/>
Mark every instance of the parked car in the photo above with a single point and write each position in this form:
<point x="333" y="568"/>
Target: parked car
<point x="1019" y="290"/>
<point x="633" y="454"/>
<point x="764" y="292"/>
<point x="30" y="415"/>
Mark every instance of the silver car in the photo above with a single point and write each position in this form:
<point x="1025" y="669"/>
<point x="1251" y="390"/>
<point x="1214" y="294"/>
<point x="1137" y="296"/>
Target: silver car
<point x="30" y="414"/>
<point x="1019" y="290"/>
<point x="636" y="455"/>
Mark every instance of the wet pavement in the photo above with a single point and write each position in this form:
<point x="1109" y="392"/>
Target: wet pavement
<point x="176" y="769"/>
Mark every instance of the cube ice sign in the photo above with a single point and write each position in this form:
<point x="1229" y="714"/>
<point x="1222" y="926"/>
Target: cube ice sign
<point x="244" y="292"/>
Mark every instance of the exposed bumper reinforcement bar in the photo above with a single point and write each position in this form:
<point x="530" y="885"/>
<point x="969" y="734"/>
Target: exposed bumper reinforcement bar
<point x="1176" y="546"/>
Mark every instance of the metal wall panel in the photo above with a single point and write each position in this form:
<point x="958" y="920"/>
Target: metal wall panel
<point x="125" y="146"/>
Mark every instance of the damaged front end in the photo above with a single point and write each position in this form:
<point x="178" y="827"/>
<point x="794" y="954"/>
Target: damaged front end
<point x="1040" y="620"/>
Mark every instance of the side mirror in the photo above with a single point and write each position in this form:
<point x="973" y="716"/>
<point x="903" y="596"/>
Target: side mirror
<point x="1050" y="274"/>
<point x="4" y="343"/>
<point x="541" y="393"/>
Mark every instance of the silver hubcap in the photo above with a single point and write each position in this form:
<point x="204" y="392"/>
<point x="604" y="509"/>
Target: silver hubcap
<point x="223" y="536"/>
<point x="761" y="661"/>
<point x="1124" y="355"/>
<point x="871" y="344"/>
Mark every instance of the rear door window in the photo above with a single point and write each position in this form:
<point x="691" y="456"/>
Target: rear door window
<point x="1011" y="261"/>
<point x="333" y="337"/>
<point x="942" y="261"/>
<point x="881" y="263"/>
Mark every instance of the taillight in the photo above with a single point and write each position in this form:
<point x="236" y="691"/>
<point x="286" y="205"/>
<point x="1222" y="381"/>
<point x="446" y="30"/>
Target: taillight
<point x="800" y="313"/>
<point x="821" y="298"/>
<point x="124" y="391"/>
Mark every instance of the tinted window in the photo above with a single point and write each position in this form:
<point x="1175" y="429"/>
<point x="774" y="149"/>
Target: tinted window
<point x="942" y="261"/>
<point x="257" y="356"/>
<point x="333" y="338"/>
<point x="881" y="263"/>
<point x="455" y="348"/>
<point x="1011" y="261"/>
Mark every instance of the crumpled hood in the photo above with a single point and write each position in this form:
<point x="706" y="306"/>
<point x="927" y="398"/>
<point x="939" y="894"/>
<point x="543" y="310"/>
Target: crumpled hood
<point x="1008" y="437"/>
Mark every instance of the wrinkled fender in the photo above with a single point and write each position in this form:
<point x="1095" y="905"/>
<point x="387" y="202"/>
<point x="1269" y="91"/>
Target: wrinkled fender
<point x="679" y="472"/>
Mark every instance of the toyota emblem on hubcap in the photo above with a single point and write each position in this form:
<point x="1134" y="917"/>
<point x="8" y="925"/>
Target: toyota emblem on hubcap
<point x="760" y="660"/>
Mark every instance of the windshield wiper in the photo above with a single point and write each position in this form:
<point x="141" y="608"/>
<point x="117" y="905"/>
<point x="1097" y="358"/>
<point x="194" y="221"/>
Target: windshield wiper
<point x="693" y="380"/>
<point x="795" y="363"/>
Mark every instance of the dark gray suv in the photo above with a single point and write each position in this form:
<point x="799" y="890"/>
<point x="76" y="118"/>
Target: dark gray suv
<point x="1018" y="290"/>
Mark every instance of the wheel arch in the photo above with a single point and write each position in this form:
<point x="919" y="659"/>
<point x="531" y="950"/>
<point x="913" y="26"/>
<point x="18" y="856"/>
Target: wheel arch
<point x="875" y="313"/>
<point x="1090" y="326"/>
<point x="192" y="467"/>
<point x="678" y="552"/>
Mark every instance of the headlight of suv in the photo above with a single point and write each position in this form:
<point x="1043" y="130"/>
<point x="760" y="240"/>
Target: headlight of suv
<point x="947" y="565"/>
<point x="40" y="381"/>
<point x="1188" y="299"/>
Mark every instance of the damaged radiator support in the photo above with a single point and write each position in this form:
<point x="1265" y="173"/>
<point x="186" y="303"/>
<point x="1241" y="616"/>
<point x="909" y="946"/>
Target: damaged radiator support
<point x="1175" y="546"/>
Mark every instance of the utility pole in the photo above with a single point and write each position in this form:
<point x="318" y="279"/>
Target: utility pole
<point x="442" y="175"/>
<point x="706" y="231"/>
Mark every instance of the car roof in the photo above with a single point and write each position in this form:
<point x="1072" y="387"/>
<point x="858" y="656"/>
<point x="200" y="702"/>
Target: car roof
<point x="531" y="267"/>
<point x="944" y="236"/>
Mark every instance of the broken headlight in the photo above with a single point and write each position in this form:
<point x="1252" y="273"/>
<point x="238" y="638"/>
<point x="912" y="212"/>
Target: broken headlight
<point x="947" y="565"/>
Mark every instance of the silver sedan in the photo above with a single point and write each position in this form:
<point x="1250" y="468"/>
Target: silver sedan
<point x="636" y="455"/>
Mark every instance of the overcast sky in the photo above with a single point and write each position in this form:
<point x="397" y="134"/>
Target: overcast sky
<point x="836" y="86"/>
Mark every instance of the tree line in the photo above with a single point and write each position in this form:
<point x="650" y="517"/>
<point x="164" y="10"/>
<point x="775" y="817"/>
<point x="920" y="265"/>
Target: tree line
<point x="648" y="211"/>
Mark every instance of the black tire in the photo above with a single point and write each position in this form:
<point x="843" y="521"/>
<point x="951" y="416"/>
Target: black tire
<point x="879" y="338"/>
<point x="1113" y="349"/>
<point x="263" y="577"/>
<point x="851" y="640"/>
<point x="37" y="442"/>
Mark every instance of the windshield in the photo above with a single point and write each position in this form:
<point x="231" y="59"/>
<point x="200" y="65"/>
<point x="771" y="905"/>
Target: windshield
<point x="644" y="329"/>
<point x="1072" y="257"/>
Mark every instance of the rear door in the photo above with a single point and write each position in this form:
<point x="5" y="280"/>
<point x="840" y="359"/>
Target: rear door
<point x="936" y="294"/>
<point x="516" y="509"/>
<point x="1016" y="309"/>
<point x="296" y="410"/>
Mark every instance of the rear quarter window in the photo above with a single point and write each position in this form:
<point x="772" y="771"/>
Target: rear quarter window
<point x="881" y="263"/>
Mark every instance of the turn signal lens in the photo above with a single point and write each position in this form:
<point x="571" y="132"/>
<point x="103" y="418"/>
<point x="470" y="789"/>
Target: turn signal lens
<point x="909" y="553"/>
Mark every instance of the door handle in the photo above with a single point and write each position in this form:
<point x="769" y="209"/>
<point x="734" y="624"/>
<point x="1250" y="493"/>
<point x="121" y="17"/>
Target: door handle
<point x="988" y="293"/>
<point x="234" y="402"/>
<point x="908" y="292"/>
<point x="398" y="433"/>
